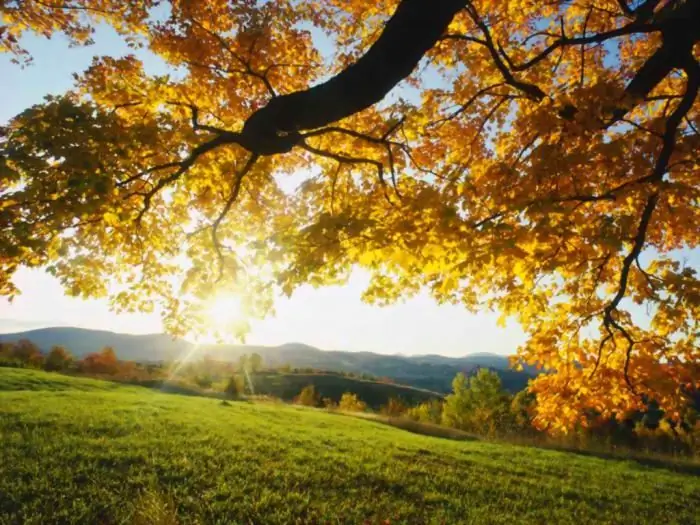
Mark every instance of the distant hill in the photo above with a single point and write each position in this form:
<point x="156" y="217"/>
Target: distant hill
<point x="287" y="387"/>
<point x="430" y="372"/>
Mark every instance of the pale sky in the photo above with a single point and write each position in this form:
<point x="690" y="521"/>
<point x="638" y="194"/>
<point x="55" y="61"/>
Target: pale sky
<point x="329" y="318"/>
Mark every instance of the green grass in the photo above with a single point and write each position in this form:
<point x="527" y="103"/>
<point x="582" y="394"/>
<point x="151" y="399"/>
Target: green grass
<point x="83" y="451"/>
<point x="14" y="379"/>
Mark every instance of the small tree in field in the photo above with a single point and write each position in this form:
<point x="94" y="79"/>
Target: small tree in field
<point x="255" y="362"/>
<point x="58" y="359"/>
<point x="235" y="387"/>
<point x="478" y="404"/>
<point x="349" y="402"/>
<point x="522" y="411"/>
<point x="308" y="397"/>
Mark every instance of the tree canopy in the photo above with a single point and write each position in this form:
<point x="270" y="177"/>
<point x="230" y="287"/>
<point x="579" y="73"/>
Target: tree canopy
<point x="538" y="158"/>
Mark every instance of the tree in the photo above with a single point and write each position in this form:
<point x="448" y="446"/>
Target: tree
<point x="58" y="359"/>
<point x="102" y="362"/>
<point x="235" y="387"/>
<point x="27" y="353"/>
<point x="522" y="410"/>
<point x="308" y="397"/>
<point x="255" y="362"/>
<point x="541" y="161"/>
<point x="477" y="404"/>
<point x="349" y="402"/>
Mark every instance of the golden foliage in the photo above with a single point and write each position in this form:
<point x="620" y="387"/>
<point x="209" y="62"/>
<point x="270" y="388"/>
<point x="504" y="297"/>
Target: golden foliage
<point x="533" y="164"/>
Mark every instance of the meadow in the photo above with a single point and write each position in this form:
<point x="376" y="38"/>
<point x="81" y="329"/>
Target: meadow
<point x="77" y="450"/>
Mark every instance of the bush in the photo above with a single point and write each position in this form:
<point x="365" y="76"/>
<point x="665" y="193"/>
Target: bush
<point x="308" y="397"/>
<point x="349" y="402"/>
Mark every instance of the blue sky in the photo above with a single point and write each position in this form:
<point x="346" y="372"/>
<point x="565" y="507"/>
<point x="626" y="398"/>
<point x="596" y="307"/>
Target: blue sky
<point x="330" y="318"/>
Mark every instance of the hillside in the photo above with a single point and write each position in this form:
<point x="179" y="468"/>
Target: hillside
<point x="103" y="454"/>
<point x="288" y="386"/>
<point x="430" y="372"/>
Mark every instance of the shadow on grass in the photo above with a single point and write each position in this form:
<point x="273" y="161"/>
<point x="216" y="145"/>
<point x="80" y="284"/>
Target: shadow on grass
<point x="415" y="427"/>
<point x="165" y="386"/>
<point x="680" y="465"/>
<point x="676" y="464"/>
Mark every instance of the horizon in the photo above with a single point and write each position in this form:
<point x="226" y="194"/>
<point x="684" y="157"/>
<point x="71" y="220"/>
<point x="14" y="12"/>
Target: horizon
<point x="14" y="327"/>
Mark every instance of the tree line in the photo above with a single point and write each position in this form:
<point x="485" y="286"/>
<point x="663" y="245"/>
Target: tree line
<point x="478" y="404"/>
<point x="24" y="353"/>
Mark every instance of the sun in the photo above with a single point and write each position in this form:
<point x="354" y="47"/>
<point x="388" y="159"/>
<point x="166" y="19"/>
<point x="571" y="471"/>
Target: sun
<point x="224" y="311"/>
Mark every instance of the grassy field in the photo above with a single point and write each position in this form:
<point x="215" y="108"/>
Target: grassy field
<point x="82" y="451"/>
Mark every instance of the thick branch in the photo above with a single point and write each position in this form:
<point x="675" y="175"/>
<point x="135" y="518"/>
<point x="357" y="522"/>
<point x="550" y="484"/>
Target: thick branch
<point x="410" y="33"/>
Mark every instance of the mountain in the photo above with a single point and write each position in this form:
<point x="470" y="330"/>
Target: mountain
<point x="430" y="372"/>
<point x="81" y="341"/>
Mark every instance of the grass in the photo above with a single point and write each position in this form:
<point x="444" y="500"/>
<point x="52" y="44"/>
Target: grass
<point x="84" y="451"/>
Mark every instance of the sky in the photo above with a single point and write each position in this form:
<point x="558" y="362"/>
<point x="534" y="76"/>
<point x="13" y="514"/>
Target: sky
<point x="330" y="318"/>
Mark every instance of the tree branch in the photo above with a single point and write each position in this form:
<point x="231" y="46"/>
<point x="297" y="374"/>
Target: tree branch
<point x="410" y="33"/>
<point x="235" y="191"/>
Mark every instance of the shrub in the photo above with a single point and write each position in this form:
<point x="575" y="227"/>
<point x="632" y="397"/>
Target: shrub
<point x="308" y="397"/>
<point x="349" y="402"/>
